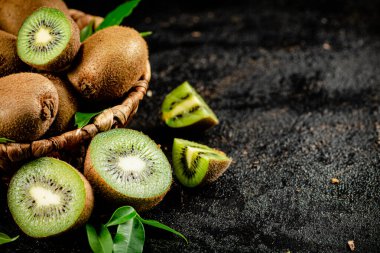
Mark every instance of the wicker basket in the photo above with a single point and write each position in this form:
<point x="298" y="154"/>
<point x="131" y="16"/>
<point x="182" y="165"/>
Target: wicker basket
<point x="71" y="146"/>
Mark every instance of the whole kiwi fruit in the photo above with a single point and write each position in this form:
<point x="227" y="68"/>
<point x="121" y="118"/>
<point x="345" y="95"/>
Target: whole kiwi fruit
<point x="68" y="105"/>
<point x="48" y="40"/>
<point x="109" y="63"/>
<point x="47" y="197"/>
<point x="14" y="12"/>
<point x="28" y="106"/>
<point x="9" y="61"/>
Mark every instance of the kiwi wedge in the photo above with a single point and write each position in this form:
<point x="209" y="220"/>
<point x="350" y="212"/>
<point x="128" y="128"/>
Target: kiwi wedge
<point x="47" y="197"/>
<point x="28" y="106"/>
<point x="9" y="61"/>
<point x="68" y="105"/>
<point x="196" y="164"/>
<point x="14" y="12"/>
<point x="48" y="40"/>
<point x="184" y="107"/>
<point x="127" y="167"/>
<point x="109" y="64"/>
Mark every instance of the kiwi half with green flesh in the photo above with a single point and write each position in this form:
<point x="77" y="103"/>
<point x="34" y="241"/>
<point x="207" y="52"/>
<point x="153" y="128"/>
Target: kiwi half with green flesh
<point x="109" y="63"/>
<point x="128" y="167"/>
<point x="68" y="105"/>
<point x="28" y="106"/>
<point x="196" y="164"/>
<point x="184" y="107"/>
<point x="9" y="61"/>
<point x="48" y="40"/>
<point x="48" y="196"/>
<point x="14" y="12"/>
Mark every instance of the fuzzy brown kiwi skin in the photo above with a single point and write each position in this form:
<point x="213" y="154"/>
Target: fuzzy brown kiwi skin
<point x="215" y="170"/>
<point x="28" y="106"/>
<point x="9" y="61"/>
<point x="110" y="194"/>
<point x="68" y="105"/>
<point x="109" y="63"/>
<point x="14" y="12"/>
<point x="67" y="56"/>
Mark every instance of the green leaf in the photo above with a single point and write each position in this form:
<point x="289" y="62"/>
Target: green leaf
<point x="4" y="238"/>
<point x="130" y="237"/>
<point x="102" y="243"/>
<point x="82" y="118"/>
<point x="5" y="140"/>
<point x="159" y="225"/>
<point x="146" y="34"/>
<point x="93" y="239"/>
<point x="117" y="16"/>
<point x="105" y="239"/>
<point x="121" y="215"/>
<point x="87" y="31"/>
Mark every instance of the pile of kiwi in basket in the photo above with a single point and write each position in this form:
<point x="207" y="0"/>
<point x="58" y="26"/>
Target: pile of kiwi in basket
<point x="46" y="76"/>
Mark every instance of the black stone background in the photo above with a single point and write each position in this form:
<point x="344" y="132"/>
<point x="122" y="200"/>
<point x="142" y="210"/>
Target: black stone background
<point x="296" y="87"/>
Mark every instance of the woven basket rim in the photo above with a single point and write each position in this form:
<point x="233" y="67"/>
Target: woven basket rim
<point x="116" y="116"/>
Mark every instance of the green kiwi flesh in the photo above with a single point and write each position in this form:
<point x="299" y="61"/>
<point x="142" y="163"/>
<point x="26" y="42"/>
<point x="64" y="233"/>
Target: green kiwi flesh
<point x="48" y="40"/>
<point x="184" y="107"/>
<point x="128" y="167"/>
<point x="9" y="61"/>
<point x="196" y="164"/>
<point x="47" y="197"/>
<point x="28" y="106"/>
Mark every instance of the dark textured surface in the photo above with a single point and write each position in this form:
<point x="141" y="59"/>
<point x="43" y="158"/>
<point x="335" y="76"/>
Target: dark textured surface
<point x="297" y="89"/>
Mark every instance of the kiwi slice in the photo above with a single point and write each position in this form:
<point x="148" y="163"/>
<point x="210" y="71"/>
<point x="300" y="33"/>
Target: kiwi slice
<point x="48" y="40"/>
<point x="47" y="197"/>
<point x="14" y="12"/>
<point x="128" y="167"/>
<point x="184" y="107"/>
<point x="28" y="106"/>
<point x="109" y="64"/>
<point x="9" y="61"/>
<point x="196" y="164"/>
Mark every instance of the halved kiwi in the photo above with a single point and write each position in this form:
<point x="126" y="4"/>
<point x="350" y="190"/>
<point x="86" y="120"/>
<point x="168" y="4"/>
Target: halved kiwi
<point x="128" y="167"/>
<point x="47" y="197"/>
<point x="196" y="164"/>
<point x="184" y="107"/>
<point x="48" y="40"/>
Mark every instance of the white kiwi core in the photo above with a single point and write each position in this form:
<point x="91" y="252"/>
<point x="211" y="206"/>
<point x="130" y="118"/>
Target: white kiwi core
<point x="44" y="197"/>
<point x="132" y="164"/>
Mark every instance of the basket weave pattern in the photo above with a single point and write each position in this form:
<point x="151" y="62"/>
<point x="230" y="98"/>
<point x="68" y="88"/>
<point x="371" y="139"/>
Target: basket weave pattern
<point x="117" y="116"/>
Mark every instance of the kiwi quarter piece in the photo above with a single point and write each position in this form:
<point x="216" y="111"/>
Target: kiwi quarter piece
<point x="48" y="40"/>
<point x="14" y="12"/>
<point x="196" y="164"/>
<point x="28" y="106"/>
<point x="128" y="167"/>
<point x="184" y="107"/>
<point x="9" y="61"/>
<point x="47" y="197"/>
<point x="109" y="64"/>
